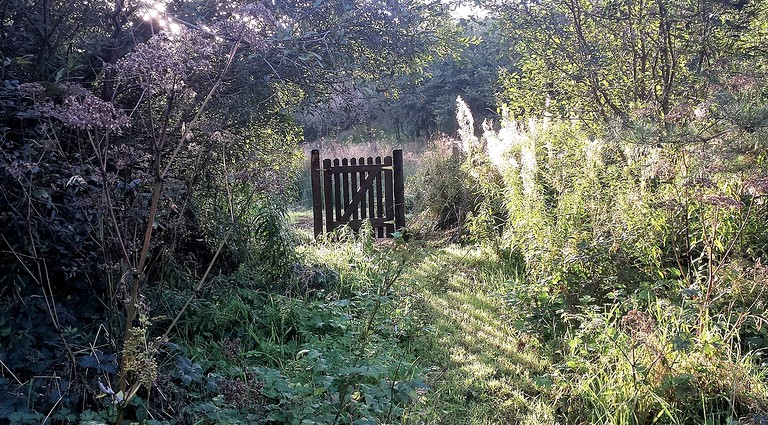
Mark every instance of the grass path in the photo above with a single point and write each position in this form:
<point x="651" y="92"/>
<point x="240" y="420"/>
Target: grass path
<point x="482" y="371"/>
<point x="480" y="368"/>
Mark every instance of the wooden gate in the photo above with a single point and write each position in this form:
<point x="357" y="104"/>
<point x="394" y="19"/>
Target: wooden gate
<point x="357" y="189"/>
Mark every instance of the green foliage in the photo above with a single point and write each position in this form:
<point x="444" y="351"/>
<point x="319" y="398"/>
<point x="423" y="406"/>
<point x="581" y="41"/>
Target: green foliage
<point x="615" y="272"/>
<point x="633" y="270"/>
<point x="148" y="147"/>
<point x="456" y="191"/>
<point x="422" y="104"/>
<point x="438" y="189"/>
<point x="573" y="212"/>
<point x="268" y="243"/>
<point x="603" y="61"/>
<point x="643" y="366"/>
<point x="328" y="357"/>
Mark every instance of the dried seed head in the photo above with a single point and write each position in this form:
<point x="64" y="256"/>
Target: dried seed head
<point x="700" y="182"/>
<point x="637" y="323"/>
<point x="722" y="201"/>
<point x="757" y="185"/>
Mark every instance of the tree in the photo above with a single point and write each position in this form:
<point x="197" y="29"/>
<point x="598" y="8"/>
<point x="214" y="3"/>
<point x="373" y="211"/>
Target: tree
<point x="605" y="59"/>
<point x="424" y="101"/>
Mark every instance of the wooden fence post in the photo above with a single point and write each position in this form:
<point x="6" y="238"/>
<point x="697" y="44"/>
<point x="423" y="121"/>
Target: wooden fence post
<point x="397" y="160"/>
<point x="328" y="195"/>
<point x="317" y="199"/>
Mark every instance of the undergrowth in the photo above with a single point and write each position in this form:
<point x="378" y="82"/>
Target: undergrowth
<point x="636" y="269"/>
<point x="322" y="349"/>
<point x="586" y="281"/>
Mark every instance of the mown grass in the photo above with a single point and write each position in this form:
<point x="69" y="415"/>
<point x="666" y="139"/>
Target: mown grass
<point x="482" y="370"/>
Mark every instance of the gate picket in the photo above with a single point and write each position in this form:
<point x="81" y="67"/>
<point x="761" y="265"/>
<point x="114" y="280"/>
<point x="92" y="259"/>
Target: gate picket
<point x="327" y="181"/>
<point x="353" y="162"/>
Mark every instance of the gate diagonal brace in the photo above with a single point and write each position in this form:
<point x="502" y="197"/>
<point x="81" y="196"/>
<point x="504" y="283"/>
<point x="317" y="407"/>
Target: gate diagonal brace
<point x="359" y="195"/>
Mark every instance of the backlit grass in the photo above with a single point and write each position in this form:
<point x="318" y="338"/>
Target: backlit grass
<point x="462" y="316"/>
<point x="482" y="371"/>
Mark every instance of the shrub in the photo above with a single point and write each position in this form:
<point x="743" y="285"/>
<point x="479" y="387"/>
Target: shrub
<point x="439" y="189"/>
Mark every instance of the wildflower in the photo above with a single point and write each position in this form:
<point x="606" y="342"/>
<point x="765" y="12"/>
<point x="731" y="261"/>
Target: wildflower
<point x="30" y="90"/>
<point x="757" y="186"/>
<point x="81" y="109"/>
<point x="700" y="182"/>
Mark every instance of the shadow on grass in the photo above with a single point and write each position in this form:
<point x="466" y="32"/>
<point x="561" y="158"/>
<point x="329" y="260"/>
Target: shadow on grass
<point x="482" y="371"/>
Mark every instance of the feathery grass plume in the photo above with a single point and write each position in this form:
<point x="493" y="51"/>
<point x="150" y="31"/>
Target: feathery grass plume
<point x="466" y="126"/>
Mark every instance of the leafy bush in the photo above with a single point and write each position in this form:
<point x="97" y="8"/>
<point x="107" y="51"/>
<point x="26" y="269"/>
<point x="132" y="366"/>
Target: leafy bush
<point x="438" y="189"/>
<point x="268" y="358"/>
<point x="456" y="188"/>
